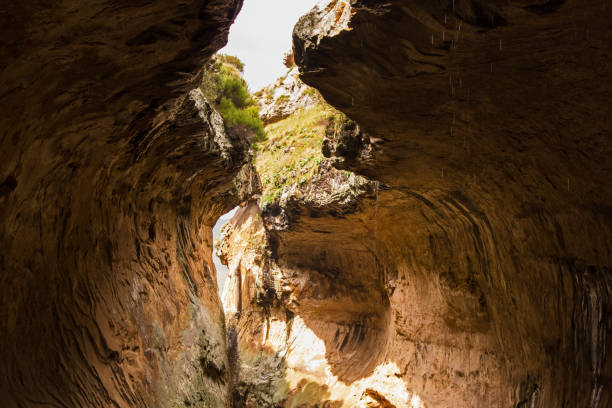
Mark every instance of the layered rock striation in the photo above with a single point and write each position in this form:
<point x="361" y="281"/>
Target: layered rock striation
<point x="113" y="171"/>
<point x="476" y="270"/>
<point x="488" y="127"/>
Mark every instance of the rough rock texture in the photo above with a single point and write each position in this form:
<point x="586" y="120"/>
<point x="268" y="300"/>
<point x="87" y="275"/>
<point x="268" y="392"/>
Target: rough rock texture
<point x="478" y="271"/>
<point x="294" y="326"/>
<point x="113" y="172"/>
<point x="287" y="95"/>
<point x="490" y="239"/>
<point x="329" y="192"/>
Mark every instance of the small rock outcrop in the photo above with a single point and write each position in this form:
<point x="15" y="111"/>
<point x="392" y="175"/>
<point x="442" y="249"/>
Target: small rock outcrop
<point x="286" y="96"/>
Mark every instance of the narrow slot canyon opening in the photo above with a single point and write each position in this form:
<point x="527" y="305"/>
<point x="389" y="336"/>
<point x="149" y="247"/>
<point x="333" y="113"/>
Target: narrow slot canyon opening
<point x="358" y="278"/>
<point x="220" y="267"/>
<point x="306" y="301"/>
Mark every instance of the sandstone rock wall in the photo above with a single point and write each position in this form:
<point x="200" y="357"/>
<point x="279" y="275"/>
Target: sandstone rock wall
<point x="488" y="127"/>
<point x="477" y="271"/>
<point x="112" y="175"/>
<point x="286" y="96"/>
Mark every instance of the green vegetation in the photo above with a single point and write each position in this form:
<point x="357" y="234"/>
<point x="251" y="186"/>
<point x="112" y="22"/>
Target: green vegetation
<point x="291" y="153"/>
<point x="282" y="99"/>
<point x="232" y="60"/>
<point x="314" y="93"/>
<point x="288" y="152"/>
<point x="224" y="87"/>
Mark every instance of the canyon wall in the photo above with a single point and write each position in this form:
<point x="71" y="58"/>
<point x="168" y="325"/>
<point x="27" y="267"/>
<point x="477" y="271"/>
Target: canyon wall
<point x="475" y="270"/>
<point x="113" y="171"/>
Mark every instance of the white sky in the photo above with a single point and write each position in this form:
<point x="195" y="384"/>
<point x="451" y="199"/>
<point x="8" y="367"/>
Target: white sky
<point x="220" y="268"/>
<point x="262" y="34"/>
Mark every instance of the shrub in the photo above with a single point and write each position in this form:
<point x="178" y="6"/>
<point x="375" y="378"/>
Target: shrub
<point x="224" y="87"/>
<point x="233" y="87"/>
<point x="232" y="60"/>
<point x="248" y="117"/>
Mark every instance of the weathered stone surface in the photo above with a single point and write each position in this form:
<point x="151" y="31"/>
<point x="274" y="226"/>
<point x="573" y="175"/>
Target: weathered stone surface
<point x="480" y="274"/>
<point x="112" y="174"/>
<point x="295" y="327"/>
<point x="284" y="97"/>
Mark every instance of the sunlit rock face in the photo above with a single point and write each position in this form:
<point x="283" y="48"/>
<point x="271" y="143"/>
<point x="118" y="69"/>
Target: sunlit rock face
<point x="303" y="338"/>
<point x="284" y="97"/>
<point x="112" y="173"/>
<point x="488" y="128"/>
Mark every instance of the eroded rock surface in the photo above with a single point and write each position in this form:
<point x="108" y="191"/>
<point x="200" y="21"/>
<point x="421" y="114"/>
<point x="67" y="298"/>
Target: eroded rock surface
<point x="490" y="125"/>
<point x="477" y="271"/>
<point x="113" y="172"/>
<point x="284" y="97"/>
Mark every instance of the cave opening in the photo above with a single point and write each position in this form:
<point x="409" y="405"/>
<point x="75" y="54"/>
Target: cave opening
<point x="261" y="61"/>
<point x="320" y="341"/>
<point x="400" y="229"/>
<point x="220" y="268"/>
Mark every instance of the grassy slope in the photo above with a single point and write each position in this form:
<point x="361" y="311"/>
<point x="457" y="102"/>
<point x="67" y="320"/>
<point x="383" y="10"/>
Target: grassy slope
<point x="291" y="153"/>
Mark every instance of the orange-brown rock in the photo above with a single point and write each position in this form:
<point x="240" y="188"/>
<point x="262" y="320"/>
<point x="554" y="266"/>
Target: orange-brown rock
<point x="478" y="273"/>
<point x="113" y="171"/>
<point x="490" y="239"/>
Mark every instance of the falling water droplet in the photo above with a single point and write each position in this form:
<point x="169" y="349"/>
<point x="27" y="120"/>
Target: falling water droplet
<point x="432" y="39"/>
<point x="491" y="67"/>
<point x="500" y="45"/>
